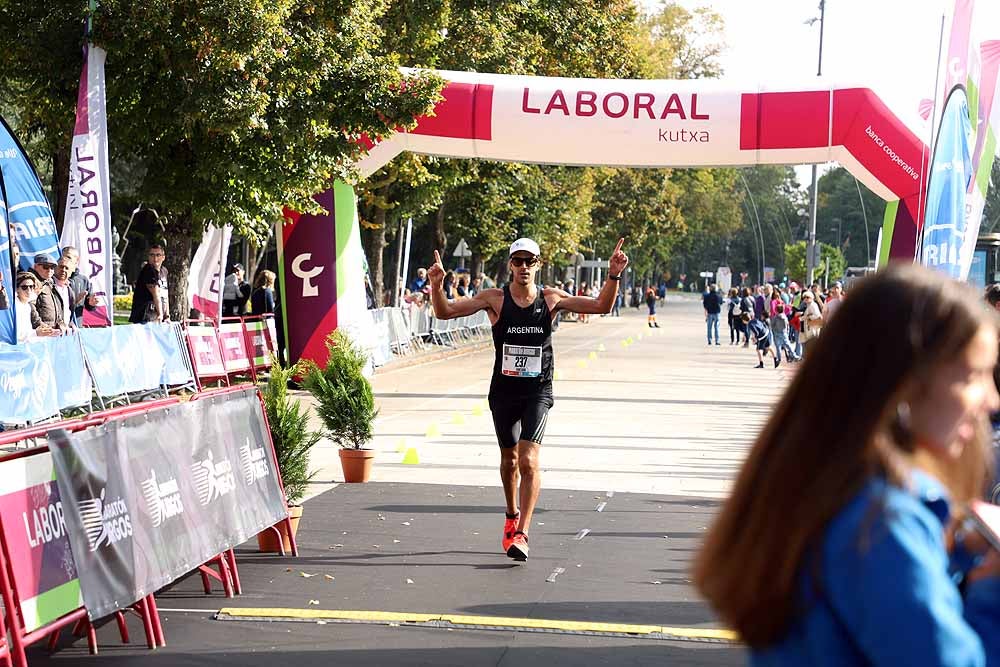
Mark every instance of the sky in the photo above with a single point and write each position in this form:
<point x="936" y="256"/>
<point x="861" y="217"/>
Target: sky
<point x="890" y="46"/>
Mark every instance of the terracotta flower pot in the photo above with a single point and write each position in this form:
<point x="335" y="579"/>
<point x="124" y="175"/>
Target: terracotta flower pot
<point x="357" y="464"/>
<point x="267" y="540"/>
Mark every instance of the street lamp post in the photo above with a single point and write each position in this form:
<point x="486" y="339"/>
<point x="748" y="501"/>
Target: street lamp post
<point x="811" y="246"/>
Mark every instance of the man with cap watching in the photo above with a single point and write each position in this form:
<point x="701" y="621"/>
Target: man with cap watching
<point x="48" y="303"/>
<point x="521" y="388"/>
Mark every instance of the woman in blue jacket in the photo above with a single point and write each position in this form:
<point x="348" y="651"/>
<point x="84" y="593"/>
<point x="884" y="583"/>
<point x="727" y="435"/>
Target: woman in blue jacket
<point x="838" y="544"/>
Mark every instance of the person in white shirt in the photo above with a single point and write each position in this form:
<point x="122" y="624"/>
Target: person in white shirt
<point x="29" y="325"/>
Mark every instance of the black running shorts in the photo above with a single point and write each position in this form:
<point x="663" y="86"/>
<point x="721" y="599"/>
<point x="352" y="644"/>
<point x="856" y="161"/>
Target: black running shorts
<point x="520" y="419"/>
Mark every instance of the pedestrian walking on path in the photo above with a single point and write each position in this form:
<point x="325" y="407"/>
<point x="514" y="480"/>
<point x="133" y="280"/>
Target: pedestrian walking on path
<point x="868" y="462"/>
<point x="711" y="301"/>
<point x="521" y="388"/>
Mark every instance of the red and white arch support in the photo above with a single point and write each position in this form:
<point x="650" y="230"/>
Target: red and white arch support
<point x="691" y="123"/>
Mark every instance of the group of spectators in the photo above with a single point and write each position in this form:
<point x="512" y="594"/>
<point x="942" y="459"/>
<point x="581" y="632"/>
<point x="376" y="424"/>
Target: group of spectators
<point x="463" y="285"/>
<point x="50" y="297"/>
<point x="781" y="318"/>
<point x="150" y="291"/>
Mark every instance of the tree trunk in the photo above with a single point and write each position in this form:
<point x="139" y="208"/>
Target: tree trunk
<point x="440" y="238"/>
<point x="377" y="266"/>
<point x="178" y="262"/>
<point x="60" y="185"/>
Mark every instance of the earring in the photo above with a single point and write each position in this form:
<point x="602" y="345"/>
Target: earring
<point x="902" y="429"/>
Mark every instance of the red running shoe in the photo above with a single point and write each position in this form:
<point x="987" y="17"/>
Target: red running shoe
<point x="518" y="549"/>
<point x="509" y="528"/>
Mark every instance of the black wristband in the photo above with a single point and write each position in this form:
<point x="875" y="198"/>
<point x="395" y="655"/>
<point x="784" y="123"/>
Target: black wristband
<point x="618" y="277"/>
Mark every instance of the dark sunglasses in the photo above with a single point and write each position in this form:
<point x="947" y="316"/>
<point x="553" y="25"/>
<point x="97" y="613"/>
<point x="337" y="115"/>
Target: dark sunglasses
<point x="26" y="286"/>
<point x="524" y="261"/>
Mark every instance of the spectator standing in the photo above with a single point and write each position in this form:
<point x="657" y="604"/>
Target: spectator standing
<point x="760" y="303"/>
<point x="712" y="303"/>
<point x="149" y="295"/>
<point x="747" y="307"/>
<point x="235" y="293"/>
<point x="420" y="282"/>
<point x="449" y="286"/>
<point x="779" y="328"/>
<point x="29" y="324"/>
<point x="61" y="286"/>
<point x="885" y="446"/>
<point x="48" y="302"/>
<point x="833" y="300"/>
<point x="462" y="288"/>
<point x="262" y="297"/>
<point x="651" y="305"/>
<point x="80" y="285"/>
<point x="812" y="318"/>
<point x="476" y="286"/>
<point x="732" y="317"/>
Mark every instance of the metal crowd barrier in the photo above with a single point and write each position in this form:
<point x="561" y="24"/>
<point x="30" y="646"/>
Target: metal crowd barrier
<point x="404" y="331"/>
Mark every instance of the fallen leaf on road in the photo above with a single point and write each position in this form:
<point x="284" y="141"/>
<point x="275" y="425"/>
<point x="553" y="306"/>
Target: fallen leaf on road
<point x="406" y="523"/>
<point x="306" y="575"/>
<point x="395" y="541"/>
<point x="337" y="546"/>
<point x="313" y="601"/>
<point x="409" y="581"/>
<point x="657" y="582"/>
<point x="329" y="577"/>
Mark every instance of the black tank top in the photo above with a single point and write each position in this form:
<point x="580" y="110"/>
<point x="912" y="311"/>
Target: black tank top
<point x="522" y="338"/>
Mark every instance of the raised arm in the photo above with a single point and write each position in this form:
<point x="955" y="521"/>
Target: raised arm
<point x="606" y="299"/>
<point x="446" y="310"/>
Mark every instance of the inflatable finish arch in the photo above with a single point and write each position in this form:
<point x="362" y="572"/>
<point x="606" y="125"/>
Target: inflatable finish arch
<point x="690" y="123"/>
<point x="632" y="123"/>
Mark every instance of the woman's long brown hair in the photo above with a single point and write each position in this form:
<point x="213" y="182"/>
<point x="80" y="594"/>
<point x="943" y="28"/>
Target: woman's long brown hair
<point x="830" y="433"/>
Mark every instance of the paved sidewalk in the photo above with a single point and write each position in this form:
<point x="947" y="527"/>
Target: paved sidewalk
<point x="653" y="430"/>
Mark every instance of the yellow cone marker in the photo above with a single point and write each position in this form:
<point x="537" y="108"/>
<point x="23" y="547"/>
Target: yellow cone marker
<point x="582" y="363"/>
<point x="601" y="348"/>
<point x="630" y="341"/>
<point x="624" y="343"/>
<point x="433" y="431"/>
<point x="592" y="356"/>
<point x="411" y="458"/>
<point x="401" y="445"/>
<point x="457" y="418"/>
<point x="477" y="410"/>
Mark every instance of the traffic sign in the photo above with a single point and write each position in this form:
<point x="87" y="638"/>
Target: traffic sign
<point x="462" y="249"/>
<point x="706" y="274"/>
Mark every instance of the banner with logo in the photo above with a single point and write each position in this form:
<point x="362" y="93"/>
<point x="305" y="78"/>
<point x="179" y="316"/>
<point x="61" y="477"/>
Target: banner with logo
<point x="87" y="225"/>
<point x="28" y="210"/>
<point x="323" y="276"/>
<point x="207" y="271"/>
<point x="32" y="519"/>
<point x="8" y="290"/>
<point x="27" y="385"/>
<point x="951" y="172"/>
<point x="150" y="497"/>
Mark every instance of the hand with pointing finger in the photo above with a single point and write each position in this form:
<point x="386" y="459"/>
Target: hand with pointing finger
<point x="619" y="260"/>
<point x="435" y="273"/>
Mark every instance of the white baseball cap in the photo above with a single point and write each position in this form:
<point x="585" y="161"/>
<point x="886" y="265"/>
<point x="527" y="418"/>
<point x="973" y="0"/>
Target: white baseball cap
<point x="526" y="245"/>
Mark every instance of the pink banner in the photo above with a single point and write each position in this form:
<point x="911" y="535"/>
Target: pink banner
<point x="957" y="63"/>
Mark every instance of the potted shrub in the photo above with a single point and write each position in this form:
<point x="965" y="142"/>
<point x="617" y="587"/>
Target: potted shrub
<point x="345" y="404"/>
<point x="289" y="424"/>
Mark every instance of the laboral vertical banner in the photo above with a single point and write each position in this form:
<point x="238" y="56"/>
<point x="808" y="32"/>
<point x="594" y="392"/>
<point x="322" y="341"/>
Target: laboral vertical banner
<point x="323" y="274"/>
<point x="87" y="225"/>
<point x="207" y="268"/>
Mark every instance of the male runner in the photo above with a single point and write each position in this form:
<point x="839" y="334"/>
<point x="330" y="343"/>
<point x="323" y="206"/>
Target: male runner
<point x="521" y="389"/>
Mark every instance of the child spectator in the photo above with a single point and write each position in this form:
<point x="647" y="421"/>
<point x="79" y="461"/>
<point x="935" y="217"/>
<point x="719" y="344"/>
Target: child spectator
<point x="761" y="335"/>
<point x="779" y="328"/>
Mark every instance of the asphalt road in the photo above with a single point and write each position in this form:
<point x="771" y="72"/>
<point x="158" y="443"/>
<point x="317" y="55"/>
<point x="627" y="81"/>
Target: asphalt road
<point x="640" y="448"/>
